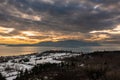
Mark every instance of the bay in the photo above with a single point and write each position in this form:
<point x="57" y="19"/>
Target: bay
<point x="11" y="51"/>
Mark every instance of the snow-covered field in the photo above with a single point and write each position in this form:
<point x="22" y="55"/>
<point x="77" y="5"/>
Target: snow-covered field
<point x="11" y="68"/>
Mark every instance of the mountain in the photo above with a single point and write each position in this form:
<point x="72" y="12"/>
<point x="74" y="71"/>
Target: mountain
<point x="67" y="43"/>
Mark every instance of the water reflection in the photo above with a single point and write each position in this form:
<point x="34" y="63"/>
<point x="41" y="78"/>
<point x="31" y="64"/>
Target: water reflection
<point x="9" y="51"/>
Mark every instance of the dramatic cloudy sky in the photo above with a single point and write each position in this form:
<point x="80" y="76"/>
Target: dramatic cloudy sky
<point x="33" y="21"/>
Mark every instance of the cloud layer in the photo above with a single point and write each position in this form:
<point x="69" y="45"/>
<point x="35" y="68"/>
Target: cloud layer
<point x="33" y="21"/>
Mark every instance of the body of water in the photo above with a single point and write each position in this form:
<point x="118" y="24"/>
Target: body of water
<point x="10" y="51"/>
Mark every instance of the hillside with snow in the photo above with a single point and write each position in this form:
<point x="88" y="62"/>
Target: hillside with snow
<point x="12" y="67"/>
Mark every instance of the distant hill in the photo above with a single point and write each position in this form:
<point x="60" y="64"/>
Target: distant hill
<point x="67" y="43"/>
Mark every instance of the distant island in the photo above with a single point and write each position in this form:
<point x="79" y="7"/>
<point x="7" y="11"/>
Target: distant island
<point x="66" y="43"/>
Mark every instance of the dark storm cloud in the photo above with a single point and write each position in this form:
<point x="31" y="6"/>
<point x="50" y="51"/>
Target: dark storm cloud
<point x="79" y="15"/>
<point x="65" y="16"/>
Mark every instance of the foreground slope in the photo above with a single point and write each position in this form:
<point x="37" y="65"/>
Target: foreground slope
<point x="93" y="66"/>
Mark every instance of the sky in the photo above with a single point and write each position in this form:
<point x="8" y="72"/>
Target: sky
<point x="34" y="21"/>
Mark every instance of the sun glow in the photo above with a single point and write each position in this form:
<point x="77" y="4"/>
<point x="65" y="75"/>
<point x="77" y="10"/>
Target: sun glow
<point x="30" y="33"/>
<point x="6" y="30"/>
<point x="113" y="31"/>
<point x="17" y="40"/>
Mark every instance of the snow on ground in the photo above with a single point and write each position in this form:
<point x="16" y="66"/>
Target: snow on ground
<point x="11" y="69"/>
<point x="47" y="60"/>
<point x="11" y="78"/>
<point x="9" y="74"/>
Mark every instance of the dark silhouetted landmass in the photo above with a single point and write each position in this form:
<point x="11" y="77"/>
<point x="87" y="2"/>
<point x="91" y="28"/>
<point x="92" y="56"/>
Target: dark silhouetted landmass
<point x="67" y="43"/>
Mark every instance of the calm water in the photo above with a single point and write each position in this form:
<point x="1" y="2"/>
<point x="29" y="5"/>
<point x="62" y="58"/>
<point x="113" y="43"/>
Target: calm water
<point x="9" y="51"/>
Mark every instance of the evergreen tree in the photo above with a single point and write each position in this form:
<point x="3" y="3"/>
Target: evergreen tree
<point x="1" y="77"/>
